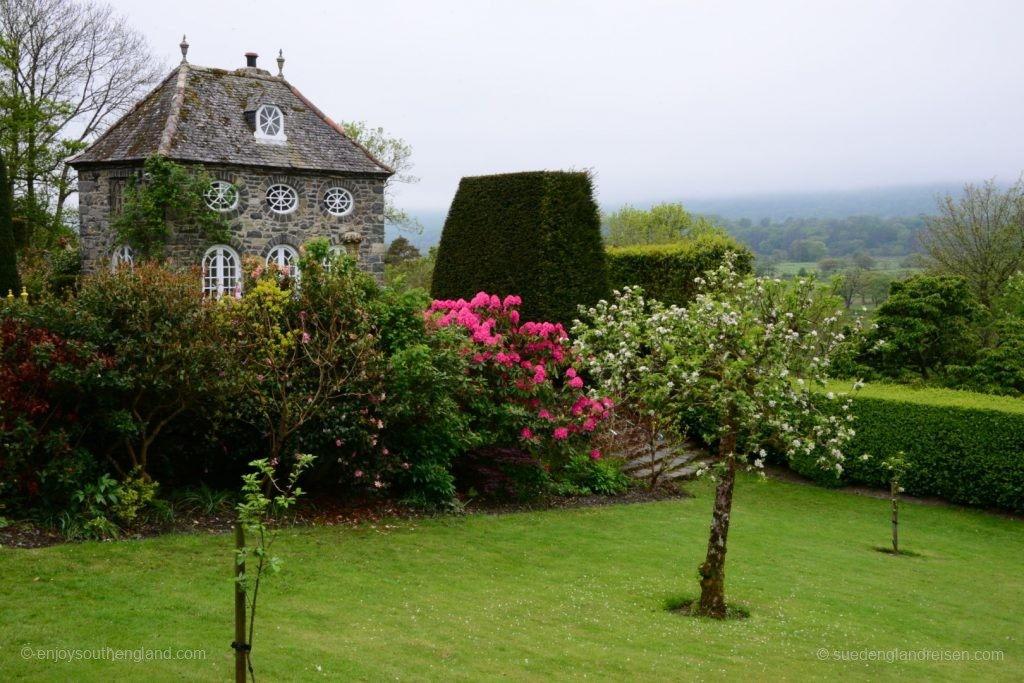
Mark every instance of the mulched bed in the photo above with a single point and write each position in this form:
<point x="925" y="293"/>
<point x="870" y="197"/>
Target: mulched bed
<point x="327" y="512"/>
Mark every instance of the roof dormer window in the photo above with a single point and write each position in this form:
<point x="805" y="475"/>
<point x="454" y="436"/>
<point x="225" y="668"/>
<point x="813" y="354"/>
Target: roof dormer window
<point x="270" y="124"/>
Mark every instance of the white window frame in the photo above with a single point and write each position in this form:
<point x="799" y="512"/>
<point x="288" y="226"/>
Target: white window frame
<point x="331" y="202"/>
<point x="270" y="202"/>
<point x="265" y="116"/>
<point x="217" y="192"/>
<point x="222" y="271"/>
<point x="286" y="258"/>
<point x="121" y="256"/>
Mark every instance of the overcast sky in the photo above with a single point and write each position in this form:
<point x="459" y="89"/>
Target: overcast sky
<point x="661" y="100"/>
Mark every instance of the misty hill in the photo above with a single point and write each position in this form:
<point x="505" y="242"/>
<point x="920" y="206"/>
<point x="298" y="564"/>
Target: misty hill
<point x="887" y="202"/>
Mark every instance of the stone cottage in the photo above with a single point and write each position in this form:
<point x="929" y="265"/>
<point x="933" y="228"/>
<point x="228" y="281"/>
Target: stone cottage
<point x="283" y="172"/>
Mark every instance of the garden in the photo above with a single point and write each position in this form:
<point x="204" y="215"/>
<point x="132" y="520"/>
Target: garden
<point x="354" y="435"/>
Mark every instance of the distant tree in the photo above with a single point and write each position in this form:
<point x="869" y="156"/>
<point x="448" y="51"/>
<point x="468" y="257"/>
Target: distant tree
<point x="863" y="260"/>
<point x="661" y="224"/>
<point x="876" y="287"/>
<point x="979" y="237"/>
<point x="417" y="273"/>
<point x="828" y="266"/>
<point x="924" y="325"/>
<point x="399" y="251"/>
<point x="852" y="283"/>
<point x="807" y="250"/>
<point x="66" y="70"/>
<point x="395" y="153"/>
<point x="9" y="280"/>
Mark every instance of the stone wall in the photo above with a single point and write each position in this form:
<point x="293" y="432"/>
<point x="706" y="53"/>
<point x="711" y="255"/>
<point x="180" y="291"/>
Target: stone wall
<point x="254" y="228"/>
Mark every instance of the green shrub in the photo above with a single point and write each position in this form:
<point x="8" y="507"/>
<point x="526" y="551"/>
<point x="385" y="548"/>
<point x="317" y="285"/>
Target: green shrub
<point x="666" y="272"/>
<point x="584" y="475"/>
<point x="967" y="448"/>
<point x="536" y="235"/>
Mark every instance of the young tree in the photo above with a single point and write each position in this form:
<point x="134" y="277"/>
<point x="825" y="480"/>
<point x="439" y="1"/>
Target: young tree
<point x="979" y="237"/>
<point x="9" y="280"/>
<point x="396" y="154"/>
<point x="742" y="363"/>
<point x="661" y="224"/>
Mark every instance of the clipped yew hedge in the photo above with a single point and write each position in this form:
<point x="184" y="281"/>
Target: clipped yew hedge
<point x="967" y="448"/>
<point x="534" y="234"/>
<point x="666" y="271"/>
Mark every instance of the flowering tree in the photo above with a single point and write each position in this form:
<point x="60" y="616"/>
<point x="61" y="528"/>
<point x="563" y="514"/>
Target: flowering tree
<point x="739" y="365"/>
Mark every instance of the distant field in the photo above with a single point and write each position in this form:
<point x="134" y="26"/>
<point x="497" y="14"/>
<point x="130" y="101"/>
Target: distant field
<point x="889" y="266"/>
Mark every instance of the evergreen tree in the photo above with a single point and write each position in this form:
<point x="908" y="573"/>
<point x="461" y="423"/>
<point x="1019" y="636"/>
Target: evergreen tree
<point x="8" y="258"/>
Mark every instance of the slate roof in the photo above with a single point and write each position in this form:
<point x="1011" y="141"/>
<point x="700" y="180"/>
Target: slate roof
<point x="199" y="114"/>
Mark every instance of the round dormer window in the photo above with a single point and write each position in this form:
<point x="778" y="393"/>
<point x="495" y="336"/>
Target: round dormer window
<point x="270" y="123"/>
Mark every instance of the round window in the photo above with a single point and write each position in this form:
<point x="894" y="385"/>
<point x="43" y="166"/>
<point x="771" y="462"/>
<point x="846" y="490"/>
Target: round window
<point x="282" y="199"/>
<point x="221" y="196"/>
<point x="338" y="201"/>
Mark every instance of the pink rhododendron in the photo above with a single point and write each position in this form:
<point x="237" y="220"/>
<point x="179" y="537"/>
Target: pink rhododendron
<point x="595" y="454"/>
<point x="526" y="433"/>
<point x="561" y="433"/>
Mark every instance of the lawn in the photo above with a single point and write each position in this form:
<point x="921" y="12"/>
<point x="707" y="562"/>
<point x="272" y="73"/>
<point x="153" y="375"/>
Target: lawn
<point x="548" y="595"/>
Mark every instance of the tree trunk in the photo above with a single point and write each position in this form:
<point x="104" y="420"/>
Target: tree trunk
<point x="712" y="572"/>
<point x="239" y="644"/>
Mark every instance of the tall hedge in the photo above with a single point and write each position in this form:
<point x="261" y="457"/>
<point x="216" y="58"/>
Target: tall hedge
<point x="666" y="271"/>
<point x="8" y="257"/>
<point x="535" y="234"/>
<point x="967" y="448"/>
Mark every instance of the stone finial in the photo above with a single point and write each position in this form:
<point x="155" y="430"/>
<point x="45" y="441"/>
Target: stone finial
<point x="280" y="63"/>
<point x="184" y="50"/>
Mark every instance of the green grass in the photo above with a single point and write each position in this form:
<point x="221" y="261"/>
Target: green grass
<point x="933" y="396"/>
<point x="542" y="596"/>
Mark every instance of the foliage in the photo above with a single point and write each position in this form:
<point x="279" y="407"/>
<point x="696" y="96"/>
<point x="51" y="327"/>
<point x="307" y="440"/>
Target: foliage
<point x="295" y="350"/>
<point x="168" y="195"/>
<point x="535" y="235"/>
<point x="413" y="274"/>
<point x="169" y="364"/>
<point x="134" y="493"/>
<point x="661" y="224"/>
<point x="736" y="366"/>
<point x="979" y="237"/>
<point x="9" y="280"/>
<point x="66" y="70"/>
<point x="47" y="384"/>
<point x="396" y="154"/>
<point x="584" y="476"/>
<point x="50" y="274"/>
<point x="667" y="272"/>
<point x="257" y="511"/>
<point x="963" y="447"/>
<point x="923" y="326"/>
<point x="399" y="251"/>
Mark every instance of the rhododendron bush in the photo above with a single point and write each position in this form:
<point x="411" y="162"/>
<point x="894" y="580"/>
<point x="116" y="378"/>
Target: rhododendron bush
<point x="525" y="389"/>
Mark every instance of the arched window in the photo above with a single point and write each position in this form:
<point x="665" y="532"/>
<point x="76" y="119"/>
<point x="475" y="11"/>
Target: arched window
<point x="123" y="255"/>
<point x="270" y="123"/>
<point x="338" y="201"/>
<point x="285" y="258"/>
<point x="282" y="198"/>
<point x="220" y="272"/>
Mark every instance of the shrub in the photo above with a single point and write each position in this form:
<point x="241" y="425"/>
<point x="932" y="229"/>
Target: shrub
<point x="967" y="448"/>
<point x="584" y="475"/>
<point x="666" y="272"/>
<point x="536" y="235"/>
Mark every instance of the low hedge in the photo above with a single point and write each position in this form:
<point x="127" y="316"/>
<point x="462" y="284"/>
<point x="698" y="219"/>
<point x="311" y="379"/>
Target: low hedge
<point x="964" y="447"/>
<point x="666" y="271"/>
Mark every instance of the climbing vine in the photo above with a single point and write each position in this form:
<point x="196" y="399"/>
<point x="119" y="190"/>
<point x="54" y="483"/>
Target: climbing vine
<point x="167" y="194"/>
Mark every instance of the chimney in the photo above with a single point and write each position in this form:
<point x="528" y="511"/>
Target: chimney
<point x="250" y="59"/>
